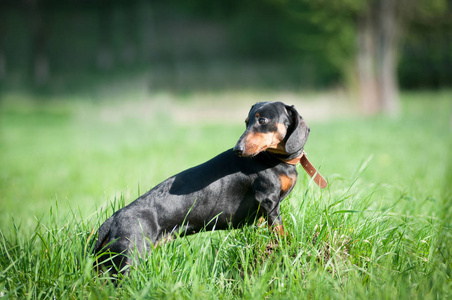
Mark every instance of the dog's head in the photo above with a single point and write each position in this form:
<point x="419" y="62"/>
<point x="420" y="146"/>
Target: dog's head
<point x="273" y="127"/>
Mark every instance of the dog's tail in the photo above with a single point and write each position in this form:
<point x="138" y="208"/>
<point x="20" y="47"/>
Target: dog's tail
<point x="103" y="234"/>
<point x="107" y="256"/>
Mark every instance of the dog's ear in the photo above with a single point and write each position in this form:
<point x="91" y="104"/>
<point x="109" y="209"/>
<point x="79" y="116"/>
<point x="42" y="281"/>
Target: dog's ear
<point x="298" y="131"/>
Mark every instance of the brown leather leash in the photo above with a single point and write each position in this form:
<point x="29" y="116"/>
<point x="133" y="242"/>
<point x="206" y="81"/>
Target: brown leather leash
<point x="309" y="168"/>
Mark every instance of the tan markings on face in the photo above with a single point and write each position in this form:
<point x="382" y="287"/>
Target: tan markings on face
<point x="257" y="142"/>
<point x="273" y="141"/>
<point x="277" y="145"/>
<point x="287" y="182"/>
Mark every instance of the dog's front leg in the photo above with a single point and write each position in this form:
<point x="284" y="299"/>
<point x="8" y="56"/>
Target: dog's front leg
<point x="269" y="204"/>
<point x="275" y="223"/>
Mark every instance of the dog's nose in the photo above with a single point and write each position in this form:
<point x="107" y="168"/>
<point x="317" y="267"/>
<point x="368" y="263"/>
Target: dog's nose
<point x="238" y="149"/>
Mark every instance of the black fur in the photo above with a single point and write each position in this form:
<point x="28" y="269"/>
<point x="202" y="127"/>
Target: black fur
<point x="226" y="191"/>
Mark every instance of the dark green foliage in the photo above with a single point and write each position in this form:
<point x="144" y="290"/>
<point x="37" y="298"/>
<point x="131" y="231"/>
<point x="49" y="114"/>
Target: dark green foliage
<point x="188" y="45"/>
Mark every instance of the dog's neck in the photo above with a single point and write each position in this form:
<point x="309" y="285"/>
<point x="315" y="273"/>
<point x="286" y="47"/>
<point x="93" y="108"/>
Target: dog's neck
<point x="291" y="159"/>
<point x="302" y="158"/>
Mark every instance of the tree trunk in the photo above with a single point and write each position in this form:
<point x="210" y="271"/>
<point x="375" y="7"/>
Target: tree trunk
<point x="377" y="44"/>
<point x="105" y="60"/>
<point x="40" y="62"/>
<point x="368" y="90"/>
<point x="2" y="47"/>
<point x="131" y="30"/>
<point x="387" y="74"/>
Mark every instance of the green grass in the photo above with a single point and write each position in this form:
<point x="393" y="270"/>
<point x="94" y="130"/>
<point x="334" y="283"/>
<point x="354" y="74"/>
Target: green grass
<point x="382" y="229"/>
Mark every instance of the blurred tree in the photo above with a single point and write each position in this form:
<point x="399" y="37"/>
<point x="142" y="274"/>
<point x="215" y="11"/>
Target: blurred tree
<point x="130" y="23"/>
<point x="295" y="33"/>
<point x="40" y="61"/>
<point x="379" y="25"/>
<point x="376" y="30"/>
<point x="105" y="20"/>
<point x="426" y="54"/>
<point x="2" y="47"/>
<point x="270" y="43"/>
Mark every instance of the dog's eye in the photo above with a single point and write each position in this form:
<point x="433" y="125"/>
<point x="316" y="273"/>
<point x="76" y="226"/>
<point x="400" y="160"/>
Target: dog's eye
<point x="262" y="121"/>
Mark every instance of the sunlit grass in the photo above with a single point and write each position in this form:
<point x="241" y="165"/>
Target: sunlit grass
<point x="381" y="229"/>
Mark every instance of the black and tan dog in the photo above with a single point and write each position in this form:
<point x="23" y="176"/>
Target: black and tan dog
<point x="230" y="190"/>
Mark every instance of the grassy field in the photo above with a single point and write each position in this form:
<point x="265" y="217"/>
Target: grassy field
<point x="381" y="230"/>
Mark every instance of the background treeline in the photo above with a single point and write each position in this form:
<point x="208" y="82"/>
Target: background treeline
<point x="213" y="44"/>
